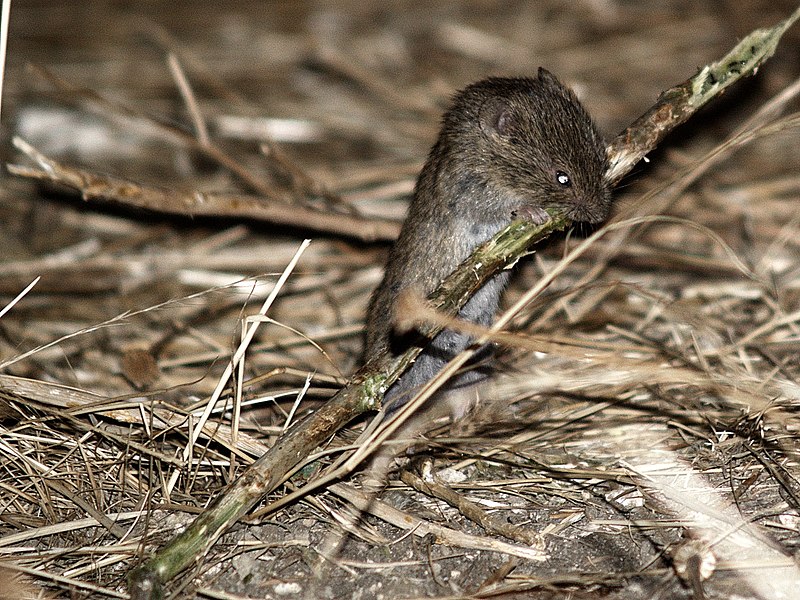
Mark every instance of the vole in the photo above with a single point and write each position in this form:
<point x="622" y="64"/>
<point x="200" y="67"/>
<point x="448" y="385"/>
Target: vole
<point x="508" y="148"/>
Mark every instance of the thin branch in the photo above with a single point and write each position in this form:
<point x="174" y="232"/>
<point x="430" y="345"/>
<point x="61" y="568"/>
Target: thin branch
<point x="4" y="19"/>
<point x="472" y="510"/>
<point x="115" y="189"/>
<point x="187" y="93"/>
<point x="19" y="297"/>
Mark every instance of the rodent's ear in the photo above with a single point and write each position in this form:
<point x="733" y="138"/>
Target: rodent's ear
<point x="496" y="116"/>
<point x="548" y="78"/>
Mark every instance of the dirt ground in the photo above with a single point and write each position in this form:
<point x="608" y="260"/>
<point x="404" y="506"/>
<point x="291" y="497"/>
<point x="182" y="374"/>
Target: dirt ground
<point x="640" y="437"/>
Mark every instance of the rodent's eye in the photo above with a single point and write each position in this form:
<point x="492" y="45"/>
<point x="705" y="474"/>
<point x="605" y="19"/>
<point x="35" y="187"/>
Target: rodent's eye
<point x="563" y="179"/>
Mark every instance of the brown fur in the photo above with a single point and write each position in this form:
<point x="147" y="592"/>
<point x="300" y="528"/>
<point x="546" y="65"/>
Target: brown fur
<point x="508" y="148"/>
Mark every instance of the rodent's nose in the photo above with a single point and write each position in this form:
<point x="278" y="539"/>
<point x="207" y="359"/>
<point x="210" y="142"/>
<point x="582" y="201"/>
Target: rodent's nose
<point x="592" y="209"/>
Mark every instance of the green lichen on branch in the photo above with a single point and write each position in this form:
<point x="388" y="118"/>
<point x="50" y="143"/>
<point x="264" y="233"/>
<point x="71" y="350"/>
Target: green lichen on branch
<point x="744" y="58"/>
<point x="677" y="104"/>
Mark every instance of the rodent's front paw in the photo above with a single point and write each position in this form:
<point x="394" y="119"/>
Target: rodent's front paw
<point x="535" y="214"/>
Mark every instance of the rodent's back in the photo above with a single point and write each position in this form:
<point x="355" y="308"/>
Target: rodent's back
<point x="508" y="148"/>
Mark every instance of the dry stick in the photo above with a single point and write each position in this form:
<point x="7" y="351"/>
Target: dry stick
<point x="472" y="510"/>
<point x="367" y="503"/>
<point x="19" y="297"/>
<point x="369" y="383"/>
<point x="189" y="99"/>
<point x="172" y="202"/>
<point x="5" y="13"/>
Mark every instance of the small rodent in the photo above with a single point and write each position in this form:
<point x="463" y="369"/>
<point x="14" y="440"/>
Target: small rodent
<point x="508" y="148"/>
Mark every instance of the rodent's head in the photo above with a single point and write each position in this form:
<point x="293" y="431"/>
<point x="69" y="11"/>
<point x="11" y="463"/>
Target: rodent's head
<point x="533" y="146"/>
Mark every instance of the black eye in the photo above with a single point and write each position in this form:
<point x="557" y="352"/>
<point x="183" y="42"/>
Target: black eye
<point x="563" y="179"/>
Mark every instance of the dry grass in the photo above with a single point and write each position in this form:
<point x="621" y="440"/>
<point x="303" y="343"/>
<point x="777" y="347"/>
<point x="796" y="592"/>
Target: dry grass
<point x="642" y="436"/>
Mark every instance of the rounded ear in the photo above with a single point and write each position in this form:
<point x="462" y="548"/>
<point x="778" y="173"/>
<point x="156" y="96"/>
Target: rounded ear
<point x="547" y="77"/>
<point x="496" y="116"/>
